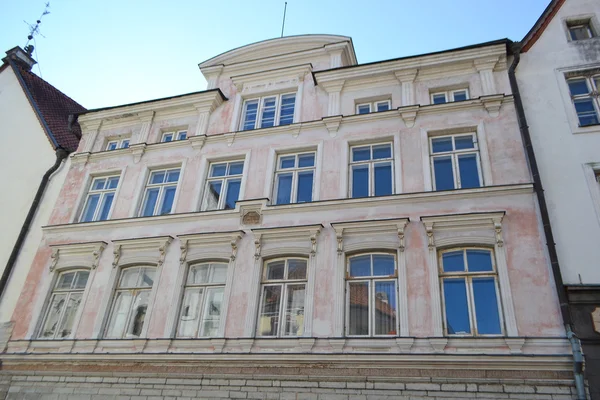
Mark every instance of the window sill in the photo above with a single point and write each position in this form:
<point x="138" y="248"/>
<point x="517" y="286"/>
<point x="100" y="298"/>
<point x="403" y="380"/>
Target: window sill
<point x="595" y="128"/>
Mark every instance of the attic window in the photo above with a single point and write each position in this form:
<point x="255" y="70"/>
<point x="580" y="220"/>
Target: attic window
<point x="580" y="29"/>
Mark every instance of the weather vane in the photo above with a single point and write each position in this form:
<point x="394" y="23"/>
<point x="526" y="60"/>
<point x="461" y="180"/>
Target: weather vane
<point x="35" y="30"/>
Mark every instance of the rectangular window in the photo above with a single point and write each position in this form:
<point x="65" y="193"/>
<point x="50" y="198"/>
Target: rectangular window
<point x="117" y="144"/>
<point x="580" y="29"/>
<point x="584" y="94"/>
<point x="282" y="298"/>
<point x="371" y="295"/>
<point x="171" y="136"/>
<point x="160" y="192"/>
<point x="470" y="292"/>
<point x="366" y="108"/>
<point x="449" y="96"/>
<point x="202" y="304"/>
<point x="268" y="111"/>
<point x="455" y="162"/>
<point x="130" y="303"/>
<point x="294" y="178"/>
<point x="99" y="199"/>
<point x="223" y="185"/>
<point x="371" y="169"/>
<point x="63" y="305"/>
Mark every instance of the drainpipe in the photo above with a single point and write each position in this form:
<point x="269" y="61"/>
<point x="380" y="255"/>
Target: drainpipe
<point x="539" y="191"/>
<point x="61" y="154"/>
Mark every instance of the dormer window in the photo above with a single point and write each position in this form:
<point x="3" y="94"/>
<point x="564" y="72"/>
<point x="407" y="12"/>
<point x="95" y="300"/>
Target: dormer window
<point x="376" y="106"/>
<point x="268" y="111"/>
<point x="117" y="144"/>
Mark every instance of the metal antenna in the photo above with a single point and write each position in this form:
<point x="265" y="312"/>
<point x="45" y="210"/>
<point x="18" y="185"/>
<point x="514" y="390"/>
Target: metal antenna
<point x="35" y="30"/>
<point x="283" y="24"/>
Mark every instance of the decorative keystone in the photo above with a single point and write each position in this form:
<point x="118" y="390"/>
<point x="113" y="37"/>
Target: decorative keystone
<point x="409" y="115"/>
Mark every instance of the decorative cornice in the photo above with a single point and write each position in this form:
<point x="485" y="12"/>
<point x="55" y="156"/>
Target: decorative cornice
<point x="294" y="233"/>
<point x="273" y="76"/>
<point x="370" y="229"/>
<point x="210" y="240"/>
<point x="84" y="254"/>
<point x="486" y="220"/>
<point x="142" y="247"/>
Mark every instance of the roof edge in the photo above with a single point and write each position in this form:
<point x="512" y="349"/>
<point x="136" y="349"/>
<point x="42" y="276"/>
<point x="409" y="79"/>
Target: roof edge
<point x="540" y="25"/>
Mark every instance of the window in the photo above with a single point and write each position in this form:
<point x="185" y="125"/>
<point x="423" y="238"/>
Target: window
<point x="455" y="162"/>
<point x="202" y="303"/>
<point x="365" y="108"/>
<point x="371" y="170"/>
<point x="99" y="199"/>
<point x="282" y="298"/>
<point x="130" y="303"/>
<point x="449" y="96"/>
<point x="160" y="192"/>
<point x="580" y="29"/>
<point x="223" y="185"/>
<point x="584" y="93"/>
<point x="294" y="178"/>
<point x="63" y="304"/>
<point x="117" y="144"/>
<point x="171" y="136"/>
<point x="470" y="292"/>
<point x="371" y="295"/>
<point x="268" y="111"/>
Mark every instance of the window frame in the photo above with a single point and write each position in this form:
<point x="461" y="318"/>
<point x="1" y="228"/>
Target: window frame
<point x="591" y="82"/>
<point x="119" y="144"/>
<point x="161" y="186"/>
<point x="373" y="106"/>
<point x="454" y="157"/>
<point x="224" y="185"/>
<point x="103" y="193"/>
<point x="295" y="171"/>
<point x="175" y="136"/>
<point x="260" y="109"/>
<point x="371" y="279"/>
<point x="449" y="95"/>
<point x="371" y="164"/>
<point x="468" y="276"/>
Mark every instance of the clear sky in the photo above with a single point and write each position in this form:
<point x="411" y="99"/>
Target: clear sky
<point x="111" y="52"/>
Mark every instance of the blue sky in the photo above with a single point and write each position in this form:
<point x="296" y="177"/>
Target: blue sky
<point x="111" y="52"/>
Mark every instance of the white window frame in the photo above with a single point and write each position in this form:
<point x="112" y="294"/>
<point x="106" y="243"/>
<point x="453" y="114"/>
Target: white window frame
<point x="295" y="172"/>
<point x="259" y="110"/>
<point x="374" y="105"/>
<point x="371" y="166"/>
<point x="119" y="144"/>
<point x="371" y="280"/>
<point x="175" y="136"/>
<point x="468" y="276"/>
<point x="449" y="95"/>
<point x="161" y="187"/>
<point x="585" y="23"/>
<point x="593" y="89"/>
<point x="224" y="185"/>
<point x="454" y="156"/>
<point x="103" y="193"/>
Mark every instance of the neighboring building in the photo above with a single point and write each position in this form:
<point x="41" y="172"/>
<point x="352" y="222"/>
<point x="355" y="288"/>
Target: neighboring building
<point x="34" y="123"/>
<point x="559" y="81"/>
<point x="307" y="227"/>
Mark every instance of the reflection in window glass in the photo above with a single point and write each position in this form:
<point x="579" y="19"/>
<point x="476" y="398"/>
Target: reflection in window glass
<point x="371" y="170"/>
<point x="160" y="192"/>
<point x="99" y="199"/>
<point x="455" y="162"/>
<point x="225" y="176"/>
<point x="294" y="178"/>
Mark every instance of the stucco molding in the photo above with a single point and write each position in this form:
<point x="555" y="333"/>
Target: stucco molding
<point x="197" y="141"/>
<point x="204" y="245"/>
<point x="333" y="124"/>
<point x="492" y="104"/>
<point x="409" y="115"/>
<point x="137" y="151"/>
<point x="76" y="254"/>
<point x="152" y="250"/>
<point x="273" y="80"/>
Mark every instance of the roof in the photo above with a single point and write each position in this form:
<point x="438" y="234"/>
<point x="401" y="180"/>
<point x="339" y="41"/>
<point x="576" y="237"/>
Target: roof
<point x="52" y="108"/>
<point x="540" y="25"/>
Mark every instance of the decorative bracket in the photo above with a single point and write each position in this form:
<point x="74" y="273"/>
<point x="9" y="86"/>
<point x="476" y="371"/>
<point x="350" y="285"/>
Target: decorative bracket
<point x="234" y="246"/>
<point x="77" y="254"/>
<point x="137" y="150"/>
<point x="116" y="255"/>
<point x="257" y="245"/>
<point x="492" y="104"/>
<point x="141" y="249"/>
<point x="339" y="235"/>
<point x="230" y="137"/>
<point x="54" y="257"/>
<point x="401" y="227"/>
<point x="333" y="124"/>
<point x="409" y="115"/>
<point x="197" y="142"/>
<point x="314" y="234"/>
<point x="183" y="247"/>
<point x="162" y="250"/>
<point x="498" y="231"/>
<point x="430" y="238"/>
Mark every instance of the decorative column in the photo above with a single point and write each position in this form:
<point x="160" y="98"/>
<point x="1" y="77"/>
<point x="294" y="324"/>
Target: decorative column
<point x="235" y="115"/>
<point x="299" y="93"/>
<point x="434" y="289"/>
<point x="402" y="286"/>
<point x="505" y="292"/>
<point x="212" y="75"/>
<point x="407" y="79"/>
<point x="254" y="291"/>
<point x="205" y="109"/>
<point x="340" y="281"/>
<point x="310" y="287"/>
<point x="485" y="67"/>
<point x="334" y="89"/>
<point x="90" y="132"/>
<point x="335" y="51"/>
<point x="146" y="119"/>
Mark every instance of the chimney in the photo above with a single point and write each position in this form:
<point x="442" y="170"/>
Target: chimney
<point x="21" y="57"/>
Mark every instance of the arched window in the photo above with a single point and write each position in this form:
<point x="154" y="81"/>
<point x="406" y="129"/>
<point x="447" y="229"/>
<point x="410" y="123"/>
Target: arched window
<point x="469" y="282"/>
<point x="63" y="304"/>
<point x="130" y="302"/>
<point x="202" y="304"/>
<point x="371" y="295"/>
<point x="282" y="298"/>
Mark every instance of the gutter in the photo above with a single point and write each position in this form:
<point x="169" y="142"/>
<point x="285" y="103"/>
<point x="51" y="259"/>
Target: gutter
<point x="539" y="191"/>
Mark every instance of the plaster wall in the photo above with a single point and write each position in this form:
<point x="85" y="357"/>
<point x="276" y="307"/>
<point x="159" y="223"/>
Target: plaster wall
<point x="566" y="153"/>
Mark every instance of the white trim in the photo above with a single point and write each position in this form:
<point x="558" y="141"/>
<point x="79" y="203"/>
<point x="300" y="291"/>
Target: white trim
<point x="565" y="94"/>
<point x="484" y="155"/>
<point x="397" y="165"/>
<point x="591" y="171"/>
<point x="427" y="171"/>
<point x="84" y="190"/>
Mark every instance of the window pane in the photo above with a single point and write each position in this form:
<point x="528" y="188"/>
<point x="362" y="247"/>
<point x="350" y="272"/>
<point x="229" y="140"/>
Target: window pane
<point x="268" y="112"/>
<point x="81" y="280"/>
<point x="113" y="182"/>
<point x="198" y="274"/>
<point x="138" y="314"/>
<point x="382" y="151"/>
<point x="287" y="162"/>
<point x="294" y="311"/>
<point x="236" y="168"/>
<point x="457" y="306"/>
<point x="125" y="144"/>
<point x="219" y="273"/>
<point x="383" y="106"/>
<point x="213" y="195"/>
<point x="276" y="269"/>
<point x="579" y="32"/>
<point x="486" y="306"/>
<point x="90" y="208"/>
<point x="586" y="112"/>
<point x="182" y="135"/>
<point x="306" y="160"/>
<point x="578" y="86"/>
<point x="305" y="185"/>
<point x="479" y="260"/>
<point x="147" y="277"/>
<point x="284" y="189"/>
<point x="211" y="315"/>
<point x="464" y="142"/>
<point x="66" y="325"/>
<point x="358" y="318"/>
<point x="233" y="193"/>
<point x="218" y="170"/>
<point x="360" y="266"/>
<point x="364" y="109"/>
<point x="361" y="153"/>
<point x="168" y="137"/>
<point x="453" y="261"/>
<point x="460" y="95"/>
<point x="52" y="315"/>
<point x="129" y="277"/>
<point x="383" y="265"/>
<point x="296" y="269"/>
<point x="118" y="318"/>
<point x="360" y="181"/>
<point x="189" y="317"/>
<point x="151" y="198"/>
<point x="286" y="115"/>
<point x="439" y="145"/>
<point x="268" y="320"/>
<point x="111" y="146"/>
<point x="444" y="176"/>
<point x="105" y="207"/>
<point x="250" y="114"/>
<point x="173" y="175"/>
<point x="469" y="171"/>
<point x="65" y="280"/>
<point x="168" y="198"/>
<point x="385" y="308"/>
<point x="439" y="98"/>
<point x="98" y="184"/>
<point x="383" y="179"/>
<point x="157" y="177"/>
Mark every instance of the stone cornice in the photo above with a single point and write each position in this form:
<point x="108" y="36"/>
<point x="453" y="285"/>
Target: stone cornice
<point x="273" y="75"/>
<point x="82" y="254"/>
<point x="189" y="242"/>
<point x="150" y="248"/>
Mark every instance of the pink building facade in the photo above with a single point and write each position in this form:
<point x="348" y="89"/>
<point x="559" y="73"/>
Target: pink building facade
<point x="307" y="227"/>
